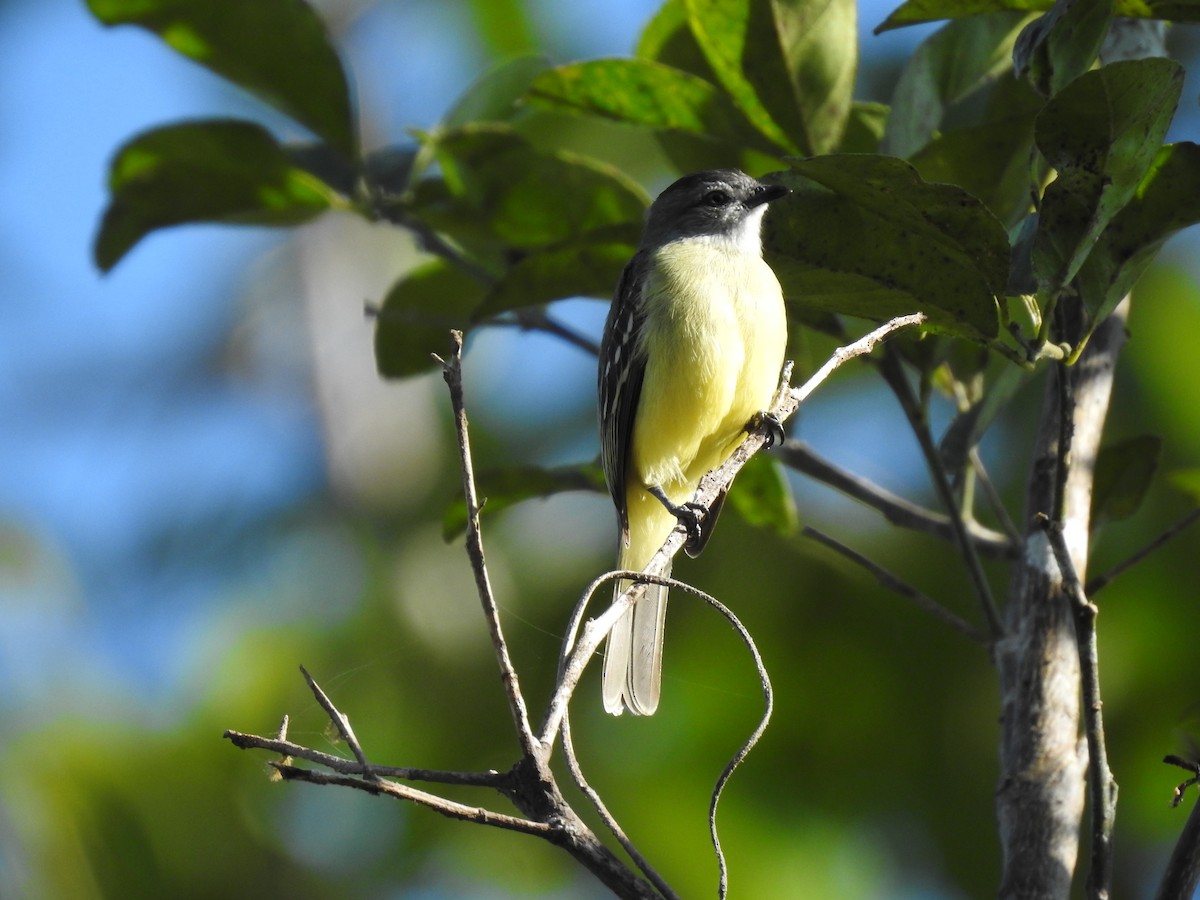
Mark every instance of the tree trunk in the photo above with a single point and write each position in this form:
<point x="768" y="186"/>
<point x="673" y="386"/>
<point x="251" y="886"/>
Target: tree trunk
<point x="1043" y="756"/>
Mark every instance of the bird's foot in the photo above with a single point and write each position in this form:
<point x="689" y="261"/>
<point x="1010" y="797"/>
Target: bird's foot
<point x="769" y="425"/>
<point x="690" y="515"/>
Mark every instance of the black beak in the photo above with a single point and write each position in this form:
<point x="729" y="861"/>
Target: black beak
<point x="766" y="193"/>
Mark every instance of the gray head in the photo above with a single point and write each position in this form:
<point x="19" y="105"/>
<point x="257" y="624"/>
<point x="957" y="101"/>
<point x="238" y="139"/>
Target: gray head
<point x="724" y="205"/>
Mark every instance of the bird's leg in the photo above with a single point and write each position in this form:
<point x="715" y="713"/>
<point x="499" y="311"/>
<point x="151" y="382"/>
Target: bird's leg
<point x="768" y="424"/>
<point x="690" y="515"/>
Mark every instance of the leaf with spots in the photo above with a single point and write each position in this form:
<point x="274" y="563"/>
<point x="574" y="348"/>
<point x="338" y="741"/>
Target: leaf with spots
<point x="866" y="236"/>
<point x="1102" y="133"/>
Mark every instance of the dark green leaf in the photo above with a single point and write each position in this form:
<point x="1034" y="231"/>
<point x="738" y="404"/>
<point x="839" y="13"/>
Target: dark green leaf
<point x="668" y="39"/>
<point x="503" y="488"/>
<point x="990" y="161"/>
<point x="948" y="66"/>
<point x="914" y="12"/>
<point x="1123" y="474"/>
<point x="212" y="171"/>
<point x="881" y="242"/>
<point x="496" y="184"/>
<point x="278" y="50"/>
<point x="590" y="267"/>
<point x="1167" y="200"/>
<point x="865" y="127"/>
<point x="648" y="94"/>
<point x="418" y="314"/>
<point x="763" y="497"/>
<point x="1102" y="133"/>
<point x="1061" y="45"/>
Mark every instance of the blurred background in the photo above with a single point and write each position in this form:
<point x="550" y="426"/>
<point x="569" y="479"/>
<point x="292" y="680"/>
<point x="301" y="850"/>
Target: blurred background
<point x="203" y="484"/>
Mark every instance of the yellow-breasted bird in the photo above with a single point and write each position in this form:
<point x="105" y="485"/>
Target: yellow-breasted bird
<point x="690" y="359"/>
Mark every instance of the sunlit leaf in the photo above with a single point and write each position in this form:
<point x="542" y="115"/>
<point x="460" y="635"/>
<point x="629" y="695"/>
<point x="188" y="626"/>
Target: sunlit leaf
<point x="1167" y="200"/>
<point x="647" y="94"/>
<point x="278" y="50"/>
<point x="1123" y="474"/>
<point x="503" y="488"/>
<point x="418" y="314"/>
<point x="1102" y="133"/>
<point x="877" y="241"/>
<point x="211" y="171"/>
<point x="948" y="66"/>
<point x="762" y="496"/>
<point x="496" y="184"/>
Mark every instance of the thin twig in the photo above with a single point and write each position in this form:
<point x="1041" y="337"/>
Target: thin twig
<point x="1102" y="785"/>
<point x="896" y="509"/>
<point x="1102" y="580"/>
<point x="452" y="372"/>
<point x="535" y="318"/>
<point x="341" y="722"/>
<point x="448" y="808"/>
<point x="919" y="599"/>
<point x="607" y="817"/>
<point x="893" y="374"/>
<point x="290" y="750"/>
<point x="995" y="501"/>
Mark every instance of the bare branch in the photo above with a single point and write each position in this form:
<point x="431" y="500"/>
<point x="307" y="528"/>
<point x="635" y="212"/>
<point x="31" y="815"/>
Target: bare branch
<point x="893" y="374"/>
<point x="452" y="372"/>
<point x="1102" y="580"/>
<point x="921" y="600"/>
<point x="449" y="808"/>
<point x="341" y="722"/>
<point x="1102" y="785"/>
<point x="897" y="510"/>
<point x="492" y="779"/>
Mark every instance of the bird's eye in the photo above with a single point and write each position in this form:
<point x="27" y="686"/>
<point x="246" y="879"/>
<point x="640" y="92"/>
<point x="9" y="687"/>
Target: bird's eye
<point x="716" y="198"/>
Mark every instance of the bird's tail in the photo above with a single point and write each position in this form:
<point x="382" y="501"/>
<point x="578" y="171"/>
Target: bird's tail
<point x="633" y="658"/>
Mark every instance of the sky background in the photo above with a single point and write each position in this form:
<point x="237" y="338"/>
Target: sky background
<point x="137" y="465"/>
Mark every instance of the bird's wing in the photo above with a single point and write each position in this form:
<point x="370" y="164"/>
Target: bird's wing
<point x="622" y="368"/>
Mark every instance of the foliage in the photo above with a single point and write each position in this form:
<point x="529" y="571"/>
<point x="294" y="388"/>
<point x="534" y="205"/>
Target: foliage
<point x="1014" y="191"/>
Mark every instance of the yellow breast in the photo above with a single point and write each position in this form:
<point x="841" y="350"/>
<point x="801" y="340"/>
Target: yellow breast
<point x="714" y="338"/>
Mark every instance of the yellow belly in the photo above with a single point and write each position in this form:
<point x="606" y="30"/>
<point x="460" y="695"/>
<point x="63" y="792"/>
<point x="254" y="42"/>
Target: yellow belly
<point x="716" y="335"/>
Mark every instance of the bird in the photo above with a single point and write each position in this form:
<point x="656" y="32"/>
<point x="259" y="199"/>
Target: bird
<point x="690" y="360"/>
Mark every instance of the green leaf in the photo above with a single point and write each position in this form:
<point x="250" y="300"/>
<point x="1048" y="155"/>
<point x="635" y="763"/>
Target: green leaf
<point x="278" y="50"/>
<point x="497" y="185"/>
<point x="1123" y="474"/>
<point x="789" y="65"/>
<point x="949" y="65"/>
<point x="967" y="428"/>
<point x="212" y="171"/>
<point x="762" y="496"/>
<point x="990" y="161"/>
<point x="502" y="488"/>
<point x="881" y="242"/>
<point x="418" y="314"/>
<point x="1061" y="45"/>
<point x="1102" y="133"/>
<point x="865" y="127"/>
<point x="914" y="12"/>
<point x="1167" y="200"/>
<point x="647" y="94"/>
<point x="495" y="96"/>
<point x="590" y="267"/>
<point x="819" y="39"/>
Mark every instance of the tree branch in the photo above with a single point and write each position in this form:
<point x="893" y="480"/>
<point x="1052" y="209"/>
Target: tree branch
<point x="922" y="601"/>
<point x="897" y="510"/>
<point x="1101" y="784"/>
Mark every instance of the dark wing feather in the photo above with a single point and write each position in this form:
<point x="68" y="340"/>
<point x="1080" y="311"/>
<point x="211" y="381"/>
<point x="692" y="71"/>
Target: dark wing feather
<point x="622" y="367"/>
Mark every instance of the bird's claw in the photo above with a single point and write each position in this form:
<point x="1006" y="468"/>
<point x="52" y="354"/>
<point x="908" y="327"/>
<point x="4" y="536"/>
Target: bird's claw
<point x="770" y="425"/>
